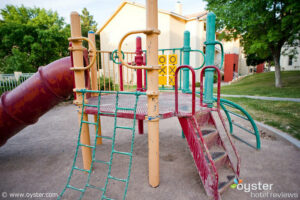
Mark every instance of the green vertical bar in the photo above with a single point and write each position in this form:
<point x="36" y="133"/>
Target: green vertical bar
<point x="180" y="73"/>
<point x="186" y="60"/>
<point x="209" y="57"/>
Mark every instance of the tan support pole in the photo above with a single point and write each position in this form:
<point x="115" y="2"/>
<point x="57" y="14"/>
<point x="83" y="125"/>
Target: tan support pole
<point x="152" y="92"/>
<point x="93" y="70"/>
<point x="80" y="84"/>
<point x="94" y="84"/>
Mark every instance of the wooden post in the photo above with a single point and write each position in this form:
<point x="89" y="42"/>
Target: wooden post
<point x="152" y="92"/>
<point x="80" y="84"/>
<point x="91" y="36"/>
<point x="94" y="81"/>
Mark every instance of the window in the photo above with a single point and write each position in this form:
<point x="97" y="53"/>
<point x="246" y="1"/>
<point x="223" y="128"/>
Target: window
<point x="290" y="60"/>
<point x="204" y="49"/>
<point x="204" y="26"/>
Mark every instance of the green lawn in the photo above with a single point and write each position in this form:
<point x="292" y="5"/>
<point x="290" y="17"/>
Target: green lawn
<point x="263" y="84"/>
<point x="279" y="114"/>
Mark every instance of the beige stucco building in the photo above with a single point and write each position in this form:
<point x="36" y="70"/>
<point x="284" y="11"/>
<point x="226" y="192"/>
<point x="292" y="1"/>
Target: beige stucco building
<point x="131" y="16"/>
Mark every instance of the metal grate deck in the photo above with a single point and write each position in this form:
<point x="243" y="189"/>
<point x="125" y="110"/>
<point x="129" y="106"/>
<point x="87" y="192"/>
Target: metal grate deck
<point x="166" y="105"/>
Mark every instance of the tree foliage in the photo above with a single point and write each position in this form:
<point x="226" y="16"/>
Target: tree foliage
<point x="33" y="37"/>
<point x="87" y="21"/>
<point x="254" y="59"/>
<point x="88" y="24"/>
<point x="30" y="37"/>
<point x="264" y="26"/>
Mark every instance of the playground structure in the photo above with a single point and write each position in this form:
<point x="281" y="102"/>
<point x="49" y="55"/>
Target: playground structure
<point x="214" y="153"/>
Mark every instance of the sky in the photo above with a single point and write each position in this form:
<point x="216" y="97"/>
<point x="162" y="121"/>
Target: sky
<point x="101" y="9"/>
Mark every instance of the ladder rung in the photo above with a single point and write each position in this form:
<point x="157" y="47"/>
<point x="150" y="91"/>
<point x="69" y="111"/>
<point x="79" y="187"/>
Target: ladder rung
<point x="104" y="197"/>
<point x="83" y="170"/>
<point x="122" y="108"/>
<point x="105" y="113"/>
<point x="89" y="146"/>
<point x="117" y="179"/>
<point x="75" y="188"/>
<point x="89" y="105"/>
<point x="86" y="122"/>
<point x="95" y="187"/>
<point x="104" y="137"/>
<point x="101" y="161"/>
<point x="123" y="153"/>
<point x="124" y="127"/>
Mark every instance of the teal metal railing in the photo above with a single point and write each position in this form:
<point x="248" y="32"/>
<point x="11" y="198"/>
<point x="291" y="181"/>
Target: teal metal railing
<point x="242" y="114"/>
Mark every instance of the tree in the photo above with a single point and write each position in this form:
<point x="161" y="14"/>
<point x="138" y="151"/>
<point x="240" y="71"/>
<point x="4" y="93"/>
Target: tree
<point x="254" y="59"/>
<point x="88" y="24"/>
<point x="264" y="26"/>
<point x="87" y="20"/>
<point x="31" y="37"/>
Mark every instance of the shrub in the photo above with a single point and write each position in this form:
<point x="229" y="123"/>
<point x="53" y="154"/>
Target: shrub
<point x="107" y="83"/>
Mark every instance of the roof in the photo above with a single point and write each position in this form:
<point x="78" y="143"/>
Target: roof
<point x="198" y="15"/>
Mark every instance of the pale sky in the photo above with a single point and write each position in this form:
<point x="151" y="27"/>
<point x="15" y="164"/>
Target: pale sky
<point x="101" y="9"/>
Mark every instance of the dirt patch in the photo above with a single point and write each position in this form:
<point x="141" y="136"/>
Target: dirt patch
<point x="266" y="135"/>
<point x="169" y="158"/>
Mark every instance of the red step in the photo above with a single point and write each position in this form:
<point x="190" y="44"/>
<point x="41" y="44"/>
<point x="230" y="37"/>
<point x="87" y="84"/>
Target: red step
<point x="210" y="136"/>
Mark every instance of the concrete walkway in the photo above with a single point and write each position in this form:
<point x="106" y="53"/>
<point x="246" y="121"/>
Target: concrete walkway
<point x="263" y="98"/>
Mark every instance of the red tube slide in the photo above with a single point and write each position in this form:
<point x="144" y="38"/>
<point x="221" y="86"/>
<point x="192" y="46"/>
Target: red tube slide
<point x="37" y="95"/>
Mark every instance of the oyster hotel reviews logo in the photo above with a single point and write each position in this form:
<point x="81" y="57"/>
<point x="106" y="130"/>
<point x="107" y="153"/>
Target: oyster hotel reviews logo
<point x="261" y="190"/>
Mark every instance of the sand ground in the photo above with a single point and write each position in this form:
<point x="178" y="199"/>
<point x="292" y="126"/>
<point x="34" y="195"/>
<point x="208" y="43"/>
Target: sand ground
<point x="39" y="158"/>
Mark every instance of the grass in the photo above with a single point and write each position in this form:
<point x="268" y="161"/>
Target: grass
<point x="263" y="84"/>
<point x="279" y="114"/>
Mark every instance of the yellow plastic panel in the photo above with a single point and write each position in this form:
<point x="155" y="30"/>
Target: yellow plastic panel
<point x="162" y="80"/>
<point x="162" y="59"/>
<point x="172" y="59"/>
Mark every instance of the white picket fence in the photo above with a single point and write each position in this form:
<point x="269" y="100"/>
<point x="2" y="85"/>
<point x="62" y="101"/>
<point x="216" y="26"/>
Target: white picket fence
<point x="10" y="81"/>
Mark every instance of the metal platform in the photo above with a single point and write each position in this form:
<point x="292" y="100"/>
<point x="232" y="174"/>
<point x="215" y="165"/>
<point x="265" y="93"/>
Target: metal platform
<point x="166" y="105"/>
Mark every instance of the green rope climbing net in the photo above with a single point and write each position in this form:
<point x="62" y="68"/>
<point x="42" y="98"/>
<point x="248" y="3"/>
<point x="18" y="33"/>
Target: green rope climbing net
<point x="101" y="190"/>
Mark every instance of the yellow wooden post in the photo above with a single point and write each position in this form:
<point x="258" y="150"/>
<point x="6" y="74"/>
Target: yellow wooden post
<point x="80" y="84"/>
<point x="94" y="80"/>
<point x="152" y="93"/>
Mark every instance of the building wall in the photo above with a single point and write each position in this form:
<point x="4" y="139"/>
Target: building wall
<point x="131" y="18"/>
<point x="198" y="37"/>
<point x="260" y="68"/>
<point x="231" y="67"/>
<point x="231" y="47"/>
<point x="284" y="61"/>
<point x="234" y="47"/>
<point x="177" y="28"/>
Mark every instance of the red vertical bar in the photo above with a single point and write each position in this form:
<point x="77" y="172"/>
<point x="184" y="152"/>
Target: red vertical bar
<point x="139" y="62"/>
<point x="139" y="75"/>
<point x="121" y="77"/>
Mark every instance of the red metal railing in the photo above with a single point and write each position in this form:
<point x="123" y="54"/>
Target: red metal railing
<point x="219" y="86"/>
<point x="193" y="88"/>
<point x="219" y="110"/>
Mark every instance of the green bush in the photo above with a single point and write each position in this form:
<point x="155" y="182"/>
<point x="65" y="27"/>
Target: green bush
<point x="215" y="79"/>
<point x="107" y="83"/>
